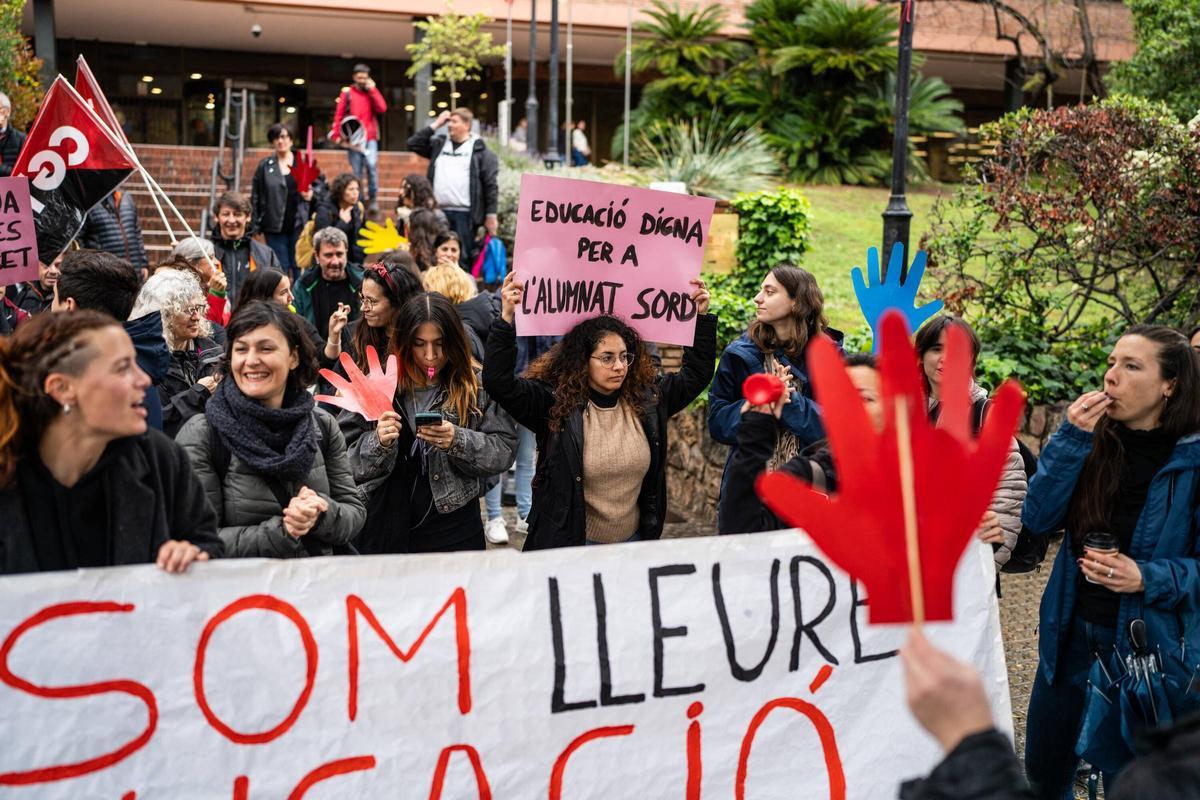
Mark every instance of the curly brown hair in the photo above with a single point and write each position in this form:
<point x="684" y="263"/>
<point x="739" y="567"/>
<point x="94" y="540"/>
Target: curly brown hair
<point x="565" y="368"/>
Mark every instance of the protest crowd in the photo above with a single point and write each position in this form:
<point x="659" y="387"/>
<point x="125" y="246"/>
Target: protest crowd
<point x="218" y="405"/>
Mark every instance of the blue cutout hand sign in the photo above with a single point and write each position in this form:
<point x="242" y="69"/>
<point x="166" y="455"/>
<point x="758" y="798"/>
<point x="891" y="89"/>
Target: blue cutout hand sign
<point x="879" y="295"/>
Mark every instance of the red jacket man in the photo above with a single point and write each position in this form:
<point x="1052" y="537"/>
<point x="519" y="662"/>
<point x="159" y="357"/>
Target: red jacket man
<point x="363" y="101"/>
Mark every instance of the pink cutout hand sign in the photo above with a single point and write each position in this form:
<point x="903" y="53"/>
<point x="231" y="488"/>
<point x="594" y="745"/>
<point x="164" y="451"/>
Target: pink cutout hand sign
<point x="369" y="395"/>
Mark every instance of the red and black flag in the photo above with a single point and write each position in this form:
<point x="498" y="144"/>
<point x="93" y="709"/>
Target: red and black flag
<point x="72" y="162"/>
<point x="89" y="89"/>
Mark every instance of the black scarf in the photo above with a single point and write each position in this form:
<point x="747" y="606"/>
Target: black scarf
<point x="272" y="441"/>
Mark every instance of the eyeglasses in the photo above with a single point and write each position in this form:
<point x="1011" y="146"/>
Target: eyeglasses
<point x="610" y="360"/>
<point x="367" y="302"/>
<point x="196" y="310"/>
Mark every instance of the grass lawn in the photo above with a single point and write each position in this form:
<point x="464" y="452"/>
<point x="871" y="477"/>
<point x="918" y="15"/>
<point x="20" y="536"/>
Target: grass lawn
<point x="845" y="222"/>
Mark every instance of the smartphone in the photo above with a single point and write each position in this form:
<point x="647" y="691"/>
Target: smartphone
<point x="426" y="419"/>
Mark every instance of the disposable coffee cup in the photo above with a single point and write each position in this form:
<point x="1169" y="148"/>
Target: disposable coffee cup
<point x="1100" y="542"/>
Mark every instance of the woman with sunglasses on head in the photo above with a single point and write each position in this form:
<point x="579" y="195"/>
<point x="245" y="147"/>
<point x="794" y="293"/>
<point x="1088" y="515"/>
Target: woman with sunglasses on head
<point x="599" y="409"/>
<point x="425" y="464"/>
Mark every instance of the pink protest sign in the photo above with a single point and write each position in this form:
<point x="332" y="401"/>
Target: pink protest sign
<point x="585" y="248"/>
<point x="18" y="239"/>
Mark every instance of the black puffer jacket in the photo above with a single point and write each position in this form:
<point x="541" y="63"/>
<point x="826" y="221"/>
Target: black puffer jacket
<point x="33" y="299"/>
<point x="558" y="517"/>
<point x="10" y="147"/>
<point x="159" y="496"/>
<point x="742" y="511"/>
<point x="112" y="226"/>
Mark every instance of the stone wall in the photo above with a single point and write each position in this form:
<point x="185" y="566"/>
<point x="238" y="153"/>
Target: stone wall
<point x="695" y="462"/>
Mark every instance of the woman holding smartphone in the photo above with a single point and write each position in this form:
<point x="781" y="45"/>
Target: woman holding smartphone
<point x="424" y="465"/>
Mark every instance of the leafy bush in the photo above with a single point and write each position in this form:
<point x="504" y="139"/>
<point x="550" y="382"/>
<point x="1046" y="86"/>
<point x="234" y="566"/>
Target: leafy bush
<point x="18" y="66"/>
<point x="734" y="309"/>
<point x="773" y="229"/>
<point x="1080" y="213"/>
<point x="1048" y="374"/>
<point x="716" y="157"/>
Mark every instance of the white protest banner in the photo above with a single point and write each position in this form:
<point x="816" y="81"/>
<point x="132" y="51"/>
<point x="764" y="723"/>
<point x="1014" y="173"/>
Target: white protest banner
<point x="736" y="667"/>
<point x="585" y="248"/>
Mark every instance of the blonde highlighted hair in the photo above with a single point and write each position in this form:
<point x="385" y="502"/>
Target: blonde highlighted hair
<point x="450" y="282"/>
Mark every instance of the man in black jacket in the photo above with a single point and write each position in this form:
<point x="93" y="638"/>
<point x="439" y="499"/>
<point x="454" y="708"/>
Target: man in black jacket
<point x="464" y="175"/>
<point x="11" y="139"/>
<point x="238" y="253"/>
<point x="34" y="297"/>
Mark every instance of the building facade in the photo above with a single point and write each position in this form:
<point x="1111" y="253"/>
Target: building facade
<point x="165" y="63"/>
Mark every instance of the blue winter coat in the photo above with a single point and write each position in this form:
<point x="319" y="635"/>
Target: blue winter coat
<point x="1163" y="545"/>
<point x="153" y="357"/>
<point x="741" y="359"/>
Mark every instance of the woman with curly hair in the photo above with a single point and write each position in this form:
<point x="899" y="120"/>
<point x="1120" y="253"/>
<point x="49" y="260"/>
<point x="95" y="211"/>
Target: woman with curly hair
<point x="790" y="313"/>
<point x="191" y="378"/>
<point x="341" y="209"/>
<point x="416" y="193"/>
<point x="423" y="230"/>
<point x="599" y="409"/>
<point x="424" y="465"/>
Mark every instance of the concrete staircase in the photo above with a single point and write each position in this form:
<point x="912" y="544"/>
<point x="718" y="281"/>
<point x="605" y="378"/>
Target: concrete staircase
<point x="183" y="173"/>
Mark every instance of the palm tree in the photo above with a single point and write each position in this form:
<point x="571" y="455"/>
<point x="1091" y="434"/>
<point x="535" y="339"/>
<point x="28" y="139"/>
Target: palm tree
<point x="677" y="41"/>
<point x="840" y="37"/>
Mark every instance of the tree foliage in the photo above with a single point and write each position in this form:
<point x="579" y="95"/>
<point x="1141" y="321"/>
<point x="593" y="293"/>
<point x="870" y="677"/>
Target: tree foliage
<point x="453" y="45"/>
<point x="1083" y="216"/>
<point x="18" y="66"/>
<point x="817" y="76"/>
<point x="1166" y="65"/>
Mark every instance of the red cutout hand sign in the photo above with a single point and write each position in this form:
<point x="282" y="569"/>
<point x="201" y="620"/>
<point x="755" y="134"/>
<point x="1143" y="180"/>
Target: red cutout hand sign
<point x="951" y="475"/>
<point x="305" y="171"/>
<point x="369" y="395"/>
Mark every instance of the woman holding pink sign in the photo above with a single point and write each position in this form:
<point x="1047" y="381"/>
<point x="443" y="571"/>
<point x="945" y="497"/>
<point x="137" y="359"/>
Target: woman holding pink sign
<point x="598" y="407"/>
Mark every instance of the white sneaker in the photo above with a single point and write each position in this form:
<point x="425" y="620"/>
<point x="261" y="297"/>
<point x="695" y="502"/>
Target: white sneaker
<point x="522" y="525"/>
<point x="495" y="531"/>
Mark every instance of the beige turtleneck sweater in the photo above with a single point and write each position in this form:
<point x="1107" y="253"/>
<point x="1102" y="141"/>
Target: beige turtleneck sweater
<point x="616" y="457"/>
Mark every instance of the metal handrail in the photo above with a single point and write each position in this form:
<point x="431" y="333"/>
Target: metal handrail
<point x="236" y="103"/>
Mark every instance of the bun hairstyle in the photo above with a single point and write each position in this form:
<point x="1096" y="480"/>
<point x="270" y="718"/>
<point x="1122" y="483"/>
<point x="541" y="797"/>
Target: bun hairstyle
<point x="45" y="344"/>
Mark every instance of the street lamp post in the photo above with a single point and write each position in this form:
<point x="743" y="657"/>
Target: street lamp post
<point x="531" y="102"/>
<point x="553" y="152"/>
<point x="897" y="217"/>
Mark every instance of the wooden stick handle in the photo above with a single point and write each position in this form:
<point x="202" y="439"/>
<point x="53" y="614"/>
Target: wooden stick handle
<point x="908" y="495"/>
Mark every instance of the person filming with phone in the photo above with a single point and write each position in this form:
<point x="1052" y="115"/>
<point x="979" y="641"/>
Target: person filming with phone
<point x="426" y="463"/>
